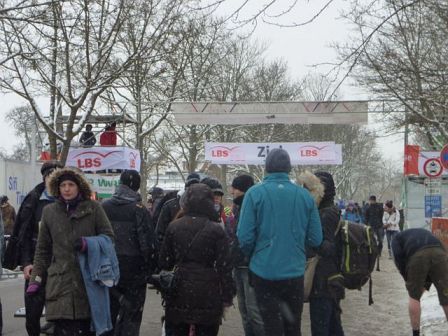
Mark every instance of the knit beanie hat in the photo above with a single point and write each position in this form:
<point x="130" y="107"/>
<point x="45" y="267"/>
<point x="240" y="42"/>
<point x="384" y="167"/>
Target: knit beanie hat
<point x="214" y="185"/>
<point x="278" y="161"/>
<point x="49" y="166"/>
<point x="192" y="178"/>
<point x="130" y="178"/>
<point x="68" y="177"/>
<point x="243" y="182"/>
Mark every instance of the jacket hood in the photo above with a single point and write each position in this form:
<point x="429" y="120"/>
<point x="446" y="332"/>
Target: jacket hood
<point x="53" y="182"/>
<point x="313" y="184"/>
<point x="330" y="189"/>
<point x="278" y="161"/>
<point x="125" y="195"/>
<point x="198" y="200"/>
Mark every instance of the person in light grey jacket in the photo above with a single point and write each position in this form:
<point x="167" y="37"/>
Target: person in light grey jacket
<point x="391" y="221"/>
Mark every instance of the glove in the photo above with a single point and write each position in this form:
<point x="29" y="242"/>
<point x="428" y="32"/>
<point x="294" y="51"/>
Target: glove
<point x="33" y="288"/>
<point x="80" y="245"/>
<point x="335" y="285"/>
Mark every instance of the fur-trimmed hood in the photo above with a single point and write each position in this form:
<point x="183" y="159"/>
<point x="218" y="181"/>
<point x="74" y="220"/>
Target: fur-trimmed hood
<point x="53" y="182"/>
<point x="313" y="184"/>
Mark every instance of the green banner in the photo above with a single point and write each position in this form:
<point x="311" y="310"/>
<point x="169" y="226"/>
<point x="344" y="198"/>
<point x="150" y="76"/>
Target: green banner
<point x="103" y="185"/>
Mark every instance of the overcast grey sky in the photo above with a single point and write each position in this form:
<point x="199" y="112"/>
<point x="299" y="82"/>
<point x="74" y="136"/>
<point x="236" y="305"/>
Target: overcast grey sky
<point x="301" y="47"/>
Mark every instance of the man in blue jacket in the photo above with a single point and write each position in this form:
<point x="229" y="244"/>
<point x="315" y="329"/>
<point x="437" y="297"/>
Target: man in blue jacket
<point x="278" y="220"/>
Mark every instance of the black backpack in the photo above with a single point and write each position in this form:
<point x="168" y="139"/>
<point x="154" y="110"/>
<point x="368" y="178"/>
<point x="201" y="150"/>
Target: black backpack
<point x="359" y="254"/>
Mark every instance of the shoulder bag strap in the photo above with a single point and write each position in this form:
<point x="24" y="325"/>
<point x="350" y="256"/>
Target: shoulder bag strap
<point x="191" y="243"/>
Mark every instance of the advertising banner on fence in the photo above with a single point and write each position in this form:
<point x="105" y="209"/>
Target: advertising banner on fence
<point x="423" y="163"/>
<point x="301" y="153"/>
<point x="103" y="185"/>
<point x="102" y="158"/>
<point x="439" y="227"/>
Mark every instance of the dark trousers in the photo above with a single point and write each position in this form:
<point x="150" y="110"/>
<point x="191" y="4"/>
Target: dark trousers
<point x="280" y="303"/>
<point x="325" y="315"/>
<point x="126" y="309"/>
<point x="379" y="233"/>
<point x="34" y="305"/>
<point x="247" y="304"/>
<point x="72" y="328"/>
<point x="183" y="329"/>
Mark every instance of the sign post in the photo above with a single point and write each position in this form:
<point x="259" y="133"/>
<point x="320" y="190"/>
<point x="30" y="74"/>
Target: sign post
<point x="444" y="156"/>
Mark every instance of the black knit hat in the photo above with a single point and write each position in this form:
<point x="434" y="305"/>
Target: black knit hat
<point x="192" y="178"/>
<point x="68" y="177"/>
<point x="48" y="167"/>
<point x="214" y="185"/>
<point x="130" y="178"/>
<point x="278" y="161"/>
<point x="243" y="182"/>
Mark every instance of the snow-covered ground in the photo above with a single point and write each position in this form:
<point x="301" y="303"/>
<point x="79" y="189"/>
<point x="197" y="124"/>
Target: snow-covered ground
<point x="433" y="320"/>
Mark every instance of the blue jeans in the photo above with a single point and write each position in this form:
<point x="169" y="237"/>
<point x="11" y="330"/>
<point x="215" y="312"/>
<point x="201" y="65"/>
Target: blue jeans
<point x="390" y="235"/>
<point x="247" y="304"/>
<point x="325" y="315"/>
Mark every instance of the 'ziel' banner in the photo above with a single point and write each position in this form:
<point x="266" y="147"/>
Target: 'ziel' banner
<point x="301" y="153"/>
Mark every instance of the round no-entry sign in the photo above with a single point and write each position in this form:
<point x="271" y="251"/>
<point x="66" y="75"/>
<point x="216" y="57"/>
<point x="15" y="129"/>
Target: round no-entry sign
<point x="444" y="157"/>
<point x="432" y="167"/>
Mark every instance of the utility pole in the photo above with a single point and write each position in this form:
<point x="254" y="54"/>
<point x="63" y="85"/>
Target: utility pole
<point x="405" y="178"/>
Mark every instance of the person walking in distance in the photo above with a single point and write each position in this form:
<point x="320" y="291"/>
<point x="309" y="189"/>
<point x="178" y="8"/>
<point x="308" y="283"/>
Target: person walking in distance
<point x="25" y="233"/>
<point x="422" y="260"/>
<point x="9" y="215"/>
<point x="374" y="218"/>
<point x="277" y="220"/>
<point x="391" y="221"/>
<point x="134" y="245"/>
<point x="247" y="302"/>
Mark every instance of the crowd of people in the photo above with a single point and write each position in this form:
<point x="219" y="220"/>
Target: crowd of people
<point x="79" y="256"/>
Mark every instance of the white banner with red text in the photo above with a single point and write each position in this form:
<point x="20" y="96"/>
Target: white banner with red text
<point x="104" y="158"/>
<point x="301" y="153"/>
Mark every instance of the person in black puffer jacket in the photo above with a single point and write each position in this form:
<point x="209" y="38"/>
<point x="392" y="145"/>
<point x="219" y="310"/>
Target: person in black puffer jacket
<point x="22" y="246"/>
<point x="200" y="250"/>
<point x="247" y="302"/>
<point x="374" y="218"/>
<point x="328" y="287"/>
<point x="134" y="245"/>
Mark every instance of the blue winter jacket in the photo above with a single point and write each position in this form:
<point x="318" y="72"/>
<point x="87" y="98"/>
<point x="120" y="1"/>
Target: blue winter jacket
<point x="352" y="216"/>
<point x="277" y="220"/>
<point x="99" y="268"/>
